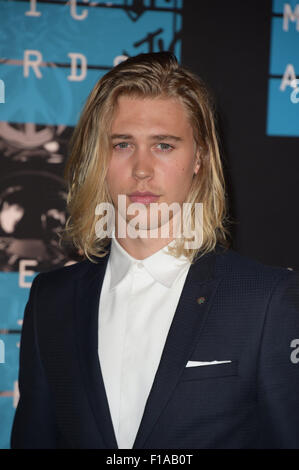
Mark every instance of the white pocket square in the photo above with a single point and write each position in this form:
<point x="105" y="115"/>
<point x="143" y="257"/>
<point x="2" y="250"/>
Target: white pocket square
<point x="204" y="363"/>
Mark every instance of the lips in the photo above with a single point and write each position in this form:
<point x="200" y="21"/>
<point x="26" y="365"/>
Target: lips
<point x="143" y="197"/>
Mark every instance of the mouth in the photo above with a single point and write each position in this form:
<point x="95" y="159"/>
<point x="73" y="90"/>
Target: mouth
<point x="143" y="197"/>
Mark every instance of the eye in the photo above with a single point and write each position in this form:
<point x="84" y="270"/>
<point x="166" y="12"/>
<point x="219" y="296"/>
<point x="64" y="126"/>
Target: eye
<point x="121" y="145"/>
<point x="165" y="147"/>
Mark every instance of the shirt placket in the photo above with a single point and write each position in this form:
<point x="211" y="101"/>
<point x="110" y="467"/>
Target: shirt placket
<point x="132" y="385"/>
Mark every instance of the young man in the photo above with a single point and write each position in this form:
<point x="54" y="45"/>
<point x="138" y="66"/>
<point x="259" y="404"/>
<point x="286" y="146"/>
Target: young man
<point x="152" y="342"/>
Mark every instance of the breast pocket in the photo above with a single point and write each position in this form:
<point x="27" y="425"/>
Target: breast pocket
<point x="210" y="371"/>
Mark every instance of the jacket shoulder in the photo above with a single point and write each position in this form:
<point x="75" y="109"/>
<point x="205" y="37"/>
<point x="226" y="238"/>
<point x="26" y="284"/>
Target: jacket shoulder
<point x="69" y="273"/>
<point x="231" y="263"/>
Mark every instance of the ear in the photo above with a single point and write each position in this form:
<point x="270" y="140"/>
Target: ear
<point x="197" y="164"/>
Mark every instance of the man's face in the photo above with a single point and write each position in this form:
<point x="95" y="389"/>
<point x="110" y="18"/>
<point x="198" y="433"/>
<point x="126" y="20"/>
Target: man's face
<point x="152" y="150"/>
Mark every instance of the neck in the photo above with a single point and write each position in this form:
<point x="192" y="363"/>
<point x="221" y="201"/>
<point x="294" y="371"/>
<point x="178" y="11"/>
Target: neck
<point x="146" y="244"/>
<point x="141" y="248"/>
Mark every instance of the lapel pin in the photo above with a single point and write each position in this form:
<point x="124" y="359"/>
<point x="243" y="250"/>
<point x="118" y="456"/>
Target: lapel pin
<point x="200" y="300"/>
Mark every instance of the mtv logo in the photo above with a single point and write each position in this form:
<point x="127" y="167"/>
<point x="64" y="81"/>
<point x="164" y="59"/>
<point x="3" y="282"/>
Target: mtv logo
<point x="134" y="8"/>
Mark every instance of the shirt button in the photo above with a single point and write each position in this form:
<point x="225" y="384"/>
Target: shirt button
<point x="139" y="265"/>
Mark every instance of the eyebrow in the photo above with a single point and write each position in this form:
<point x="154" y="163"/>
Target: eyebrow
<point x="152" y="137"/>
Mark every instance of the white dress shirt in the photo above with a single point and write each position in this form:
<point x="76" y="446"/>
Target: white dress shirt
<point x="137" y="304"/>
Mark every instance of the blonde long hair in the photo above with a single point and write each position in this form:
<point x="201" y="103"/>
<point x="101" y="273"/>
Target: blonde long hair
<point x="145" y="75"/>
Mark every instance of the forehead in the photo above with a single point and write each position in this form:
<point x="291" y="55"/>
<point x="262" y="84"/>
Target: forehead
<point x="157" y="112"/>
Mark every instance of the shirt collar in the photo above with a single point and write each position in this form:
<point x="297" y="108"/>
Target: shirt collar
<point x="163" y="267"/>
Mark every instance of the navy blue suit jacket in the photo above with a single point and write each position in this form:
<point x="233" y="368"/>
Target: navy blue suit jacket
<point x="248" y="314"/>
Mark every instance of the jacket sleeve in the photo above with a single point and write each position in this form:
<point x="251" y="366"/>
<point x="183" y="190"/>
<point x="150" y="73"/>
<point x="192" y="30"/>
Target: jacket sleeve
<point x="278" y="368"/>
<point x="34" y="422"/>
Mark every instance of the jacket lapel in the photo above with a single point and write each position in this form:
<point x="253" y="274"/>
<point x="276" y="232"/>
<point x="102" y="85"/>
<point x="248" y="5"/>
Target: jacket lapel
<point x="88" y="290"/>
<point x="183" y="335"/>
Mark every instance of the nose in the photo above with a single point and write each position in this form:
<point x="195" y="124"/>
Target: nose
<point x="143" y="164"/>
